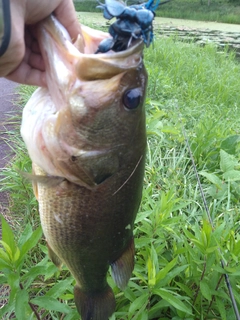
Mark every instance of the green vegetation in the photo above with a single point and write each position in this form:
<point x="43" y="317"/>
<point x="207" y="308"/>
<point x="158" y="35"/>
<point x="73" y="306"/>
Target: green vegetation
<point x="86" y="6"/>
<point x="220" y="11"/>
<point x="178" y="274"/>
<point x="217" y="10"/>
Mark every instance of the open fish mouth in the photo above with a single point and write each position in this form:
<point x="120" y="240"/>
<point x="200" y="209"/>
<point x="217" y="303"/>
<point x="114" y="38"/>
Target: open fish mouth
<point x="83" y="88"/>
<point x="57" y="43"/>
<point x="70" y="64"/>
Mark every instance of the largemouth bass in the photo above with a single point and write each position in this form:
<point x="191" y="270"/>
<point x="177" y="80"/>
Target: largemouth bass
<point x="85" y="134"/>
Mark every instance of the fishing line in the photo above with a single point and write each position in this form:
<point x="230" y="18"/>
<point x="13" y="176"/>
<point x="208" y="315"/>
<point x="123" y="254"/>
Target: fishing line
<point x="226" y="277"/>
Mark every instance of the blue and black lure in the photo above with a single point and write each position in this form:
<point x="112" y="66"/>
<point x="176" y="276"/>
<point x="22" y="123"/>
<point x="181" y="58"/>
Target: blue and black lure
<point x="133" y="22"/>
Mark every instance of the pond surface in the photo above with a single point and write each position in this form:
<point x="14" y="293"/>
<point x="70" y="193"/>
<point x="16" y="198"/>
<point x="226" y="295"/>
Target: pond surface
<point x="224" y="27"/>
<point x="97" y="18"/>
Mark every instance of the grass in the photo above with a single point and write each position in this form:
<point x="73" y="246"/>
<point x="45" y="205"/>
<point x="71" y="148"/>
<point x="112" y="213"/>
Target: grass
<point x="220" y="11"/>
<point x="177" y="273"/>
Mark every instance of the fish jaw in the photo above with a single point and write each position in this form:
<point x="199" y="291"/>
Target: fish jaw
<point x="81" y="105"/>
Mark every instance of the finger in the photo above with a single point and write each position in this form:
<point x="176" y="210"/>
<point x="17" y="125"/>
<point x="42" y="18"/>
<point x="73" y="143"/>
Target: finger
<point x="33" y="55"/>
<point x="66" y="14"/>
<point x="35" y="61"/>
<point x="31" y="38"/>
<point x="25" y="74"/>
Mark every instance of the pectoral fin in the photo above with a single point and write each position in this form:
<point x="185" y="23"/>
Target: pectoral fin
<point x="52" y="255"/>
<point x="122" y="268"/>
<point x="50" y="181"/>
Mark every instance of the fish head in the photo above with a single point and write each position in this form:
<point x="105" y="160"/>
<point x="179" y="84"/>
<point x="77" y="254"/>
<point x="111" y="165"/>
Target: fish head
<point x="90" y="121"/>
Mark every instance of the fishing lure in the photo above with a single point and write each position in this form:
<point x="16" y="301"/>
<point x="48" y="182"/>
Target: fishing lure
<point x="132" y="22"/>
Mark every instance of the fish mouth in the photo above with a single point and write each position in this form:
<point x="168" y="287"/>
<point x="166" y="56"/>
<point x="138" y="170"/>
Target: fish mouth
<point x="74" y="119"/>
<point x="58" y="46"/>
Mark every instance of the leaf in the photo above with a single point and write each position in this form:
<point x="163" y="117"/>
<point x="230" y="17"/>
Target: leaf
<point x="151" y="272"/>
<point x="205" y="290"/>
<point x="13" y="281"/>
<point x="73" y="315"/>
<point x="211" y="249"/>
<point x="206" y="233"/>
<point x="7" y="235"/>
<point x="30" y="243"/>
<point x="50" y="271"/>
<point x="168" y="129"/>
<point x="219" y="231"/>
<point x="49" y="303"/>
<point x="152" y="266"/>
<point x="236" y="248"/>
<point x="156" y="310"/>
<point x="4" y="264"/>
<point x="221" y="308"/>
<point x="172" y="300"/>
<point x="172" y="274"/>
<point x="16" y="255"/>
<point x="67" y="296"/>
<point x="25" y="235"/>
<point x="142" y="314"/>
<point x="142" y="215"/>
<point x="138" y="303"/>
<point x="230" y="143"/>
<point x="232" y="175"/>
<point x="43" y="248"/>
<point x="4" y="256"/>
<point x="227" y="161"/>
<point x="59" y="288"/>
<point x="142" y="242"/>
<point x="129" y="294"/>
<point x="7" y="249"/>
<point x="199" y="245"/>
<point x="21" y="305"/>
<point x="162" y="273"/>
<point x="34" y="272"/>
<point x="216" y="193"/>
<point x="185" y="288"/>
<point x="212" y="178"/>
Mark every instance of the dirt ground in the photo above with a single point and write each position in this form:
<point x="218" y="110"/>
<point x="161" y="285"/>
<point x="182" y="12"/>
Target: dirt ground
<point x="7" y="96"/>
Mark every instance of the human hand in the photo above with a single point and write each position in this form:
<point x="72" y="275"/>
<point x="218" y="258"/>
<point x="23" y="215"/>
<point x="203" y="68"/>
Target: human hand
<point x="23" y="62"/>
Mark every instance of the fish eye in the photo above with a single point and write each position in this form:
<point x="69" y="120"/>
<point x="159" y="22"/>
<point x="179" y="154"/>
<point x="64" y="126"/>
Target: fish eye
<point x="132" y="98"/>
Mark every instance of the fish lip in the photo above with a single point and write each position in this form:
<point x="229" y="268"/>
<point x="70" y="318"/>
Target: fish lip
<point x="69" y="64"/>
<point x="60" y="35"/>
<point x="136" y="47"/>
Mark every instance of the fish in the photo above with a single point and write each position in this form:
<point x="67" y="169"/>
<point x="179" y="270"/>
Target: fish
<point x="86" y="136"/>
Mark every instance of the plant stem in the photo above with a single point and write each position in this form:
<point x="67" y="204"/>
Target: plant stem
<point x="198" y="288"/>
<point x="213" y="298"/>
